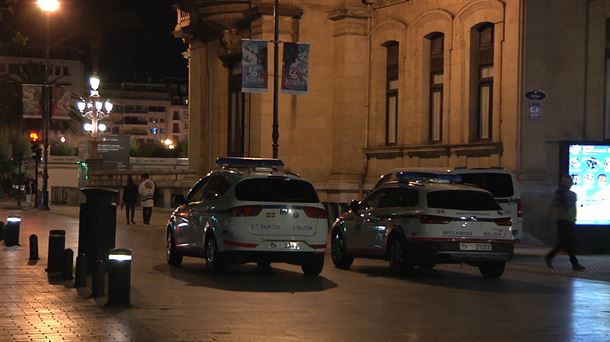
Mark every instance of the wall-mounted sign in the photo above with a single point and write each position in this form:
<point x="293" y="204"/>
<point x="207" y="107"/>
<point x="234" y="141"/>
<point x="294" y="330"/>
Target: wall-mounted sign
<point x="535" y="95"/>
<point x="534" y="111"/>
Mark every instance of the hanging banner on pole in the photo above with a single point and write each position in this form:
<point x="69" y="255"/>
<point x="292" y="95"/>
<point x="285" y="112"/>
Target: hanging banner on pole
<point x="31" y="101"/>
<point x="254" y="66"/>
<point x="294" y="68"/>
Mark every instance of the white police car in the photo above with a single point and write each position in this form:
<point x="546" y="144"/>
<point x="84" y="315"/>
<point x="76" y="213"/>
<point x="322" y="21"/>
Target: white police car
<point x="424" y="223"/>
<point x="502" y="184"/>
<point x="249" y="211"/>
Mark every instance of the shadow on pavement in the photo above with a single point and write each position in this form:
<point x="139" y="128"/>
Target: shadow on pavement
<point x="247" y="278"/>
<point x="460" y="280"/>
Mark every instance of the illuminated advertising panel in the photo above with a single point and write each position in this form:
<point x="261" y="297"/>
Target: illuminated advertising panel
<point x="589" y="166"/>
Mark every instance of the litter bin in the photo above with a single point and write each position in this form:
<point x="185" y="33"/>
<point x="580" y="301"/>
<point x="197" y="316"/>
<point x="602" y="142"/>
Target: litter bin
<point x="97" y="224"/>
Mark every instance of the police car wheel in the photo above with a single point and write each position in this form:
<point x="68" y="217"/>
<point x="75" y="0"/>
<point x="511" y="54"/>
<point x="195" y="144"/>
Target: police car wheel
<point x="338" y="252"/>
<point x="172" y="255"/>
<point x="213" y="259"/>
<point x="398" y="263"/>
<point x="492" y="270"/>
<point x="314" y="266"/>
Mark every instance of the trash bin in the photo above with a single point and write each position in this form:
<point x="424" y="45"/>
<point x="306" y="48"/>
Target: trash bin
<point x="97" y="224"/>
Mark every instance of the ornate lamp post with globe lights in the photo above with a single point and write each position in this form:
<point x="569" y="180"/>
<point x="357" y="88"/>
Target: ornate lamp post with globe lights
<point x="94" y="109"/>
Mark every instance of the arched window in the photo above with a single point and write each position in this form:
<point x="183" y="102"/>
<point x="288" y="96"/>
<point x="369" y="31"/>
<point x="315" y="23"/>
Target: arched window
<point x="436" y="63"/>
<point x="391" y="91"/>
<point x="482" y="74"/>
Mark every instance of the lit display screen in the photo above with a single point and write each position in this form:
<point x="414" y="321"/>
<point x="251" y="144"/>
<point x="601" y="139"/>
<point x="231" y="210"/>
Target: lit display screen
<point x="589" y="166"/>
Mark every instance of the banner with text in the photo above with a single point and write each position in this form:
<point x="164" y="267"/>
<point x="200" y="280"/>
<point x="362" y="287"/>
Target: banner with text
<point x="294" y="68"/>
<point x="254" y="66"/>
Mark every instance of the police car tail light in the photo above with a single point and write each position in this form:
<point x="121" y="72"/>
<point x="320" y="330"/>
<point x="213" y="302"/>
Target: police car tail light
<point x="314" y="212"/>
<point x="246" y="210"/>
<point x="433" y="219"/>
<point x="504" y="221"/>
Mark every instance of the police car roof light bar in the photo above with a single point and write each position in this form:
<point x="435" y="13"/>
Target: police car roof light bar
<point x="249" y="162"/>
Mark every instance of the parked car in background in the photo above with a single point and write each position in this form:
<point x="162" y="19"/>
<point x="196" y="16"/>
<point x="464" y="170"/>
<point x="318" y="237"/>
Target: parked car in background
<point x="248" y="210"/>
<point x="424" y="223"/>
<point x="500" y="182"/>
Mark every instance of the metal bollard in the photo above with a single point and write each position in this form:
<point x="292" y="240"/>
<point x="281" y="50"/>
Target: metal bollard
<point x="1" y="230"/>
<point x="119" y="276"/>
<point x="11" y="231"/>
<point x="98" y="279"/>
<point x="57" y="244"/>
<point x="81" y="271"/>
<point x="34" y="247"/>
<point x="68" y="260"/>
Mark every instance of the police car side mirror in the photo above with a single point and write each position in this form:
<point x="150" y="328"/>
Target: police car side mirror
<point x="353" y="206"/>
<point x="178" y="200"/>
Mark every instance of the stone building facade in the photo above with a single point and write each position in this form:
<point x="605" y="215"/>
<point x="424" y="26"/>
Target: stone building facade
<point x="405" y="83"/>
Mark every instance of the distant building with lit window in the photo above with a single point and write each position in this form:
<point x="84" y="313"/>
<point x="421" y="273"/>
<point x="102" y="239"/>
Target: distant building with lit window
<point x="149" y="111"/>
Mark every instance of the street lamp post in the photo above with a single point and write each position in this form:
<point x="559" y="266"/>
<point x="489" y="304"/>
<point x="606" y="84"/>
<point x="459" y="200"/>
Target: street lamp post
<point x="275" y="135"/>
<point x="94" y="109"/>
<point x="47" y="6"/>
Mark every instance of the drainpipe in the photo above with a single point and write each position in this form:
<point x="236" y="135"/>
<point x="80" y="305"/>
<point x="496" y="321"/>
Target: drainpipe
<point x="586" y="70"/>
<point x="365" y="168"/>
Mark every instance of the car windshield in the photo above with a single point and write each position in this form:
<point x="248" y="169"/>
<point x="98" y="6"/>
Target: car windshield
<point x="499" y="184"/>
<point x="276" y="189"/>
<point x="461" y="200"/>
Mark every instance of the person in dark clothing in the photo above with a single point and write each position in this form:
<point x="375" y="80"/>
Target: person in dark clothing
<point x="130" y="195"/>
<point x="563" y="210"/>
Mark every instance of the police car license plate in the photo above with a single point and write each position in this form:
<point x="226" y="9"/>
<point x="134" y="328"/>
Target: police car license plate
<point x="290" y="245"/>
<point x="475" y="246"/>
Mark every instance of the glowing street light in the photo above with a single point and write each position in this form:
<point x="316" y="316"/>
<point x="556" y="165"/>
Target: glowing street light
<point x="48" y="5"/>
<point x="169" y="143"/>
<point x="94" y="109"/>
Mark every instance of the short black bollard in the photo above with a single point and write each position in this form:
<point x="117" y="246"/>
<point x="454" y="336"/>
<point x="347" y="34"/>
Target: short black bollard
<point x="1" y="230"/>
<point x="11" y="231"/>
<point x="68" y="263"/>
<point x="34" y="247"/>
<point x="119" y="276"/>
<point x="98" y="279"/>
<point x="81" y="271"/>
<point x="57" y="244"/>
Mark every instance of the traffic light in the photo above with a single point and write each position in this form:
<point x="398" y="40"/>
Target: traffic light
<point x="35" y="145"/>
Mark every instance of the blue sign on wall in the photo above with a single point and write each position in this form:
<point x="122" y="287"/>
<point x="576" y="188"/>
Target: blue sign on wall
<point x="535" y="95"/>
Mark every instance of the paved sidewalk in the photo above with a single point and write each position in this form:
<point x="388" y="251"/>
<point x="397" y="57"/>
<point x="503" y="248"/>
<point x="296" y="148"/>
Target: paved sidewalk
<point x="34" y="307"/>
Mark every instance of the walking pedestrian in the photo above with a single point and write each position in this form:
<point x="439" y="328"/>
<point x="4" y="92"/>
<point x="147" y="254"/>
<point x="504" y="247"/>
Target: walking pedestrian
<point x="130" y="195"/>
<point x="30" y="190"/>
<point x="147" y="194"/>
<point x="563" y="211"/>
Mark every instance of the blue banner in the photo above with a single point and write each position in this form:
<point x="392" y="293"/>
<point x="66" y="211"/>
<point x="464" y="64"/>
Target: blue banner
<point x="294" y="68"/>
<point x="254" y="66"/>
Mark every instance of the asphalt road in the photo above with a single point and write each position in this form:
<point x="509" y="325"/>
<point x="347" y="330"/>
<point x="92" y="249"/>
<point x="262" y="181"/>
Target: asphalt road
<point x="449" y="303"/>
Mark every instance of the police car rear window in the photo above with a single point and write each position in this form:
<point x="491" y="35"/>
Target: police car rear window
<point x="276" y="189"/>
<point x="499" y="184"/>
<point x="461" y="200"/>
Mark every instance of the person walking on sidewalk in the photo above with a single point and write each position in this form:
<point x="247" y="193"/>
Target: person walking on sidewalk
<point x="563" y="211"/>
<point x="130" y="195"/>
<point x="147" y="195"/>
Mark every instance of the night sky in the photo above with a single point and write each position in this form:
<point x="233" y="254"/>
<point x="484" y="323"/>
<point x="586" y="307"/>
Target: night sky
<point x="148" y="51"/>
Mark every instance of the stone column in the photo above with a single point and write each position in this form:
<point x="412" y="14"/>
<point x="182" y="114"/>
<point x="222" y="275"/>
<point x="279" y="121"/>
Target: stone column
<point x="350" y="104"/>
